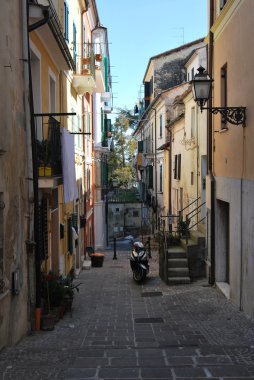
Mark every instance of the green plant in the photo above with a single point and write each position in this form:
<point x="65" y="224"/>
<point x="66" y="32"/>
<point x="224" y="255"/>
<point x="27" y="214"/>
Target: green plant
<point x="183" y="227"/>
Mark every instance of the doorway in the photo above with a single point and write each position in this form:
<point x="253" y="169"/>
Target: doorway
<point x="223" y="242"/>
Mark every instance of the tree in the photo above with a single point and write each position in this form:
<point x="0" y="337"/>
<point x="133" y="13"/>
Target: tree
<point x="120" y="160"/>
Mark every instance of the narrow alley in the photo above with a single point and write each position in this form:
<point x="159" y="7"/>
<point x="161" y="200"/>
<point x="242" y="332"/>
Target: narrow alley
<point x="121" y="330"/>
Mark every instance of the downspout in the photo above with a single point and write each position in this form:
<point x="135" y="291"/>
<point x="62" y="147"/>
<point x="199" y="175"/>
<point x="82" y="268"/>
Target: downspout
<point x="30" y="237"/>
<point x="210" y="153"/>
<point x="35" y="173"/>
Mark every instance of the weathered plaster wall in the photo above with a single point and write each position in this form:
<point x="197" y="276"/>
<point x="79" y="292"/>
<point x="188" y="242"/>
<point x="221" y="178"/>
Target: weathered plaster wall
<point x="169" y="70"/>
<point x="239" y="195"/>
<point x="13" y="175"/>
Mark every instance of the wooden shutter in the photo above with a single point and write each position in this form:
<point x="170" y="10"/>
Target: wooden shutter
<point x="179" y="166"/>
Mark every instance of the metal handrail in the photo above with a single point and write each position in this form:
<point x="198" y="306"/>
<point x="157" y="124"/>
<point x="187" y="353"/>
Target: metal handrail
<point x="196" y="200"/>
<point x="195" y="209"/>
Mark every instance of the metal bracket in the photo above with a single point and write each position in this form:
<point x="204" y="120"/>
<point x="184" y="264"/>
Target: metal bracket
<point x="233" y="115"/>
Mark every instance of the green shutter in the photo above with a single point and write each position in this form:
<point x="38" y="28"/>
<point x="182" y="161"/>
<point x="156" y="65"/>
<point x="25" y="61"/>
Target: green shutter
<point x="106" y="73"/>
<point x="150" y="176"/>
<point x="140" y="146"/>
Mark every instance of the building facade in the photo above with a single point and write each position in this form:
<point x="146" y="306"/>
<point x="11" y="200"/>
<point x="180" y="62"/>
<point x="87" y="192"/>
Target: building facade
<point x="230" y="180"/>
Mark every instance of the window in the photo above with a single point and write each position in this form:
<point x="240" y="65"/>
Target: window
<point x="150" y="177"/>
<point x="193" y="122"/>
<point x="192" y="178"/>
<point x="192" y="73"/>
<point x="66" y="21"/>
<point x="117" y="209"/>
<point x="135" y="214"/>
<point x="160" y="125"/>
<point x="224" y="100"/>
<point x="161" y="183"/>
<point x="74" y="43"/>
<point x="222" y="4"/>
<point x="177" y="166"/>
<point x="52" y="94"/>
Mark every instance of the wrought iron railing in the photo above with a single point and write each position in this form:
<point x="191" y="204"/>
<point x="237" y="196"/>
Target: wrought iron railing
<point x="49" y="147"/>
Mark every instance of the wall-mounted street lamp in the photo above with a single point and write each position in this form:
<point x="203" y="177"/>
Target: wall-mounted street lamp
<point x="201" y="88"/>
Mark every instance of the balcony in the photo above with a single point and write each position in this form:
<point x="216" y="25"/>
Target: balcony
<point x="107" y="108"/>
<point x="84" y="79"/>
<point x="51" y="33"/>
<point x="106" y="97"/>
<point x="49" y="154"/>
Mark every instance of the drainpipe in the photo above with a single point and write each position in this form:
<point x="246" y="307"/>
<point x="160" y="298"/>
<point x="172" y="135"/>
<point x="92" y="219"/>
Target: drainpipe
<point x="210" y="153"/>
<point x="155" y="161"/>
<point x="29" y="241"/>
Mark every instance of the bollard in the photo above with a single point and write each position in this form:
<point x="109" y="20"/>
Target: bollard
<point x="114" y="257"/>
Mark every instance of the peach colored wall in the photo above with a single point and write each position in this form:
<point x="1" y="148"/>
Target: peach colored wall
<point x="233" y="155"/>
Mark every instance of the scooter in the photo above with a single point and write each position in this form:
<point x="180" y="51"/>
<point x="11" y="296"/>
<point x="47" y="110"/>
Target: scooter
<point x="139" y="262"/>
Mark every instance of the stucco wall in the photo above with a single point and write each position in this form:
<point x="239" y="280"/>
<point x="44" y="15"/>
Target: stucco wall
<point x="13" y="175"/>
<point x="239" y="195"/>
<point x="231" y="47"/>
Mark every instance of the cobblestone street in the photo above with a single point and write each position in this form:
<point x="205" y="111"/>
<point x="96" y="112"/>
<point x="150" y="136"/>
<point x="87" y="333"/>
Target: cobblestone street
<point x="121" y="330"/>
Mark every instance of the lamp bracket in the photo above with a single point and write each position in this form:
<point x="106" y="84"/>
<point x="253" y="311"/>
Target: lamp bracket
<point x="233" y="115"/>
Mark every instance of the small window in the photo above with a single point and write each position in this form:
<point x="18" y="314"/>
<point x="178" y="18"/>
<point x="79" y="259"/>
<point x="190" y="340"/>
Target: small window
<point x="161" y="125"/>
<point x="193" y="122"/>
<point x="192" y="73"/>
<point x="74" y="43"/>
<point x="222" y="4"/>
<point x="177" y="167"/>
<point x="192" y="178"/>
<point x="161" y="179"/>
<point x="135" y="214"/>
<point x="224" y="91"/>
<point x="117" y="209"/>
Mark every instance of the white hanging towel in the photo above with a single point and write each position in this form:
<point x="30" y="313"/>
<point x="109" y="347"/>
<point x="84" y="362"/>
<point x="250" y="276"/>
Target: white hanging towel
<point x="68" y="165"/>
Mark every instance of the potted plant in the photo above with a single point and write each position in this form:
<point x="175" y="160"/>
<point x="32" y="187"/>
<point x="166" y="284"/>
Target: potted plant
<point x="98" y="57"/>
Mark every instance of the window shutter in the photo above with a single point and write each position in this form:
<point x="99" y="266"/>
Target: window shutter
<point x="160" y="178"/>
<point x="179" y="166"/>
<point x="175" y="167"/>
<point x="140" y="146"/>
<point x="150" y="177"/>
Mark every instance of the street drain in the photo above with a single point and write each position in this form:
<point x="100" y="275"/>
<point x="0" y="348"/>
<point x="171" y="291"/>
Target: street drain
<point x="151" y="294"/>
<point x="149" y="320"/>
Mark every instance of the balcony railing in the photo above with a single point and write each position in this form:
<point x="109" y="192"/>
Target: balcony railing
<point x="49" y="148"/>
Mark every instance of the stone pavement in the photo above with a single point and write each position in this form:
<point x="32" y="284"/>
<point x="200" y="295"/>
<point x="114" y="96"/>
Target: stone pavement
<point x="121" y="330"/>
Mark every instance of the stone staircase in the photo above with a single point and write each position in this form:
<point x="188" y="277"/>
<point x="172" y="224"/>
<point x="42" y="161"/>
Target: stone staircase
<point x="186" y="262"/>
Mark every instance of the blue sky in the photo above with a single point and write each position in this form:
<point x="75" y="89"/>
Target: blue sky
<point x="140" y="29"/>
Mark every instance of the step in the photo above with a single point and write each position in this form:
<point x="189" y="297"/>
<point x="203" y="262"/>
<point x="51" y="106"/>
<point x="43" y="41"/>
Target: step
<point x="178" y="272"/>
<point x="198" y="237"/>
<point x="176" y="252"/>
<point x="178" y="280"/>
<point x="177" y="263"/>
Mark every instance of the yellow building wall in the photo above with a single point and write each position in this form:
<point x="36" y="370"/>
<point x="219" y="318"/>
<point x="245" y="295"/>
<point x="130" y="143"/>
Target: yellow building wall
<point x="233" y="149"/>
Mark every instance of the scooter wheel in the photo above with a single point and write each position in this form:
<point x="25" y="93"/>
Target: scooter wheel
<point x="138" y="276"/>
